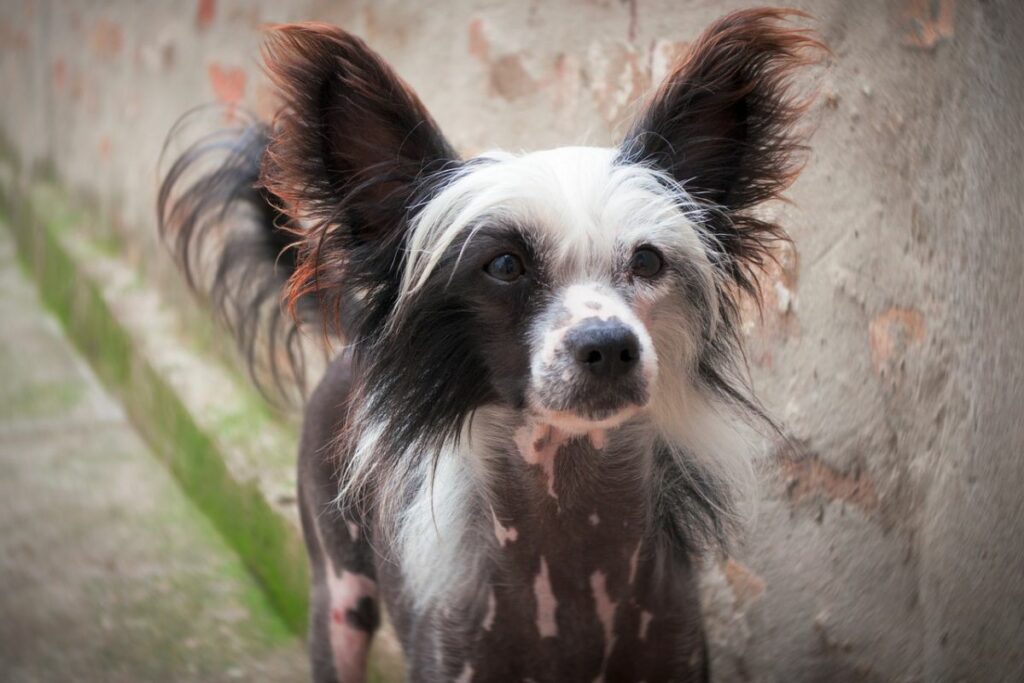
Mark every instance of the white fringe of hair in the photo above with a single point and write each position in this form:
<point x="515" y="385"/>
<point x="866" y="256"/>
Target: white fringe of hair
<point x="578" y="195"/>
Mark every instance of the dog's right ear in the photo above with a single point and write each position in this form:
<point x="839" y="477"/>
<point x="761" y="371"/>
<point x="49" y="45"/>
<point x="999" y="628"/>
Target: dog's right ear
<point x="351" y="151"/>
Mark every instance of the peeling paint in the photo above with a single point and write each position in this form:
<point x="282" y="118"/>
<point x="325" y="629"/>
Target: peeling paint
<point x="228" y="84"/>
<point x="107" y="39"/>
<point x="510" y="79"/>
<point x="60" y="74"/>
<point x="889" y="334"/>
<point x="617" y="79"/>
<point x="926" y="23"/>
<point x="104" y="148"/>
<point x="747" y="587"/>
<point x="206" y="12"/>
<point x="807" y="477"/>
<point x="479" y="46"/>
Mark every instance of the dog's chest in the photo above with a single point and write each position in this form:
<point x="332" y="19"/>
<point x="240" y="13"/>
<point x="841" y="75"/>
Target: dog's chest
<point x="577" y="587"/>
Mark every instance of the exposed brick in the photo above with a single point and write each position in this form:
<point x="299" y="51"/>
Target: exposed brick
<point x="167" y="55"/>
<point x="510" y="79"/>
<point x="107" y="39"/>
<point x="807" y="477"/>
<point x="772" y="319"/>
<point x="60" y="74"/>
<point x="228" y="83"/>
<point x="565" y="83"/>
<point x="617" y="79"/>
<point x="206" y="12"/>
<point x="926" y="23"/>
<point x="747" y="587"/>
<point x="479" y="46"/>
<point x="104" y="148"/>
<point x="631" y="30"/>
<point x="12" y="37"/>
<point x="891" y="332"/>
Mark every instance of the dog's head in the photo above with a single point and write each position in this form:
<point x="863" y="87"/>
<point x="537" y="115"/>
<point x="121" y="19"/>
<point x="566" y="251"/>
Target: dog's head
<point x="579" y="285"/>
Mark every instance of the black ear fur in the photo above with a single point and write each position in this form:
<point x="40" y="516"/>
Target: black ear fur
<point x="352" y="150"/>
<point x="722" y="125"/>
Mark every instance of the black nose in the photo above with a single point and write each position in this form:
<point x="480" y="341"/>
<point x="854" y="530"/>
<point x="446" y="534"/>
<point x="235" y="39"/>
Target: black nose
<point x="606" y="348"/>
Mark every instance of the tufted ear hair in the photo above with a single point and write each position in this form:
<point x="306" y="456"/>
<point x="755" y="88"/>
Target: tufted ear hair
<point x="352" y="150"/>
<point x="722" y="125"/>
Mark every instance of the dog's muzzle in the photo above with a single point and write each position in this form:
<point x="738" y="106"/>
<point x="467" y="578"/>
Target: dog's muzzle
<point x="595" y="362"/>
<point x="606" y="349"/>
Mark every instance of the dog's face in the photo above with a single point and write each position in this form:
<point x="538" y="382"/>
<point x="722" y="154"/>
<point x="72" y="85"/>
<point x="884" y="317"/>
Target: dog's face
<point x="578" y="274"/>
<point x="579" y="286"/>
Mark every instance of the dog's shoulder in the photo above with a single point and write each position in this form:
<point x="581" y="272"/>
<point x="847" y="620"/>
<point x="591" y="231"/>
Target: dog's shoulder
<point x="326" y="411"/>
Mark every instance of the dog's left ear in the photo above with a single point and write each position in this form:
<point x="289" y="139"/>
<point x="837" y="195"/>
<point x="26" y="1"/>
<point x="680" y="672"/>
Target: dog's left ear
<point x="722" y="125"/>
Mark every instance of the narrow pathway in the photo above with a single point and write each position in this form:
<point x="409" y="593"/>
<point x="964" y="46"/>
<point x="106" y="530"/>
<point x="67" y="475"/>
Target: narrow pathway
<point x="107" y="571"/>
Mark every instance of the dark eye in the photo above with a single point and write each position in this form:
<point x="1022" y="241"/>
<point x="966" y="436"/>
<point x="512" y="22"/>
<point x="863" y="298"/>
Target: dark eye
<point x="507" y="267"/>
<point x="646" y="263"/>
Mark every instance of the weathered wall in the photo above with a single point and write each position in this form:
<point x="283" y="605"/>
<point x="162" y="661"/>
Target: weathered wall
<point x="891" y="546"/>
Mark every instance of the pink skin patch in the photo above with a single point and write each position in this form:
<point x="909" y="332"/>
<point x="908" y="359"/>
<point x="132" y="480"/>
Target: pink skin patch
<point x="583" y="302"/>
<point x="645" y="621"/>
<point x="605" y="612"/>
<point x="492" y="610"/>
<point x="504" y="534"/>
<point x="538" y="444"/>
<point x="634" y="559"/>
<point x="467" y="674"/>
<point x="571" y="424"/>
<point x="349" y="645"/>
<point x="546" y="603"/>
<point x="353" y="531"/>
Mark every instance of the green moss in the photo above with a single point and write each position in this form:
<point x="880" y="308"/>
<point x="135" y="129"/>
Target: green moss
<point x="265" y="540"/>
<point x="267" y="543"/>
<point x="40" y="400"/>
<point x="8" y="151"/>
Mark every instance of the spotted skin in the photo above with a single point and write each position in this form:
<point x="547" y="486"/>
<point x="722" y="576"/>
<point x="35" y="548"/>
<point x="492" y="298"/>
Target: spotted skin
<point x="344" y="600"/>
<point x="578" y="586"/>
<point x="624" y="606"/>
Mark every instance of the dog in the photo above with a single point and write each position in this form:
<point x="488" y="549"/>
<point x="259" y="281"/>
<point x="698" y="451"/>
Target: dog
<point x="529" y="439"/>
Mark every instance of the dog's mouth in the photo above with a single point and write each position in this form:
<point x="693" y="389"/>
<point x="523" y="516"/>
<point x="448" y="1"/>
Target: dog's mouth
<point x="593" y="365"/>
<point x="577" y="405"/>
<point x="577" y="424"/>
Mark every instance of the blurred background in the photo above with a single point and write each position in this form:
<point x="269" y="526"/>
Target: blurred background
<point x="887" y="546"/>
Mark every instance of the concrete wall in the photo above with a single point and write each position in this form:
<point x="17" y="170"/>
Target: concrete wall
<point x="891" y="546"/>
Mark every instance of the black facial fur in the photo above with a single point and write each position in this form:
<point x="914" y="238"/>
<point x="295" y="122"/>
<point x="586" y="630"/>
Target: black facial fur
<point x="460" y="344"/>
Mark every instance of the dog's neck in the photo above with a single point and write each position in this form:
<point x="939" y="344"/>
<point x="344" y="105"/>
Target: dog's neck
<point x="571" y="515"/>
<point x="556" y="484"/>
<point x="575" y="562"/>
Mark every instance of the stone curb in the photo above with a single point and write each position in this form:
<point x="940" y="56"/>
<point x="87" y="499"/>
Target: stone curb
<point x="232" y="457"/>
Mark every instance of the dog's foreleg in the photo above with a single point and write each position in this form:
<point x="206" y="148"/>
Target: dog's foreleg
<point x="343" y="599"/>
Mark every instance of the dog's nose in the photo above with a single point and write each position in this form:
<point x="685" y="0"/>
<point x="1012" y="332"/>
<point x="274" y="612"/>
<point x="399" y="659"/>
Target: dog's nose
<point x="606" y="348"/>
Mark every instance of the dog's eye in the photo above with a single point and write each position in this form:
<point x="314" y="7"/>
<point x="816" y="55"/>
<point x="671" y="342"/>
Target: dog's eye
<point x="646" y="263"/>
<point x="507" y="267"/>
